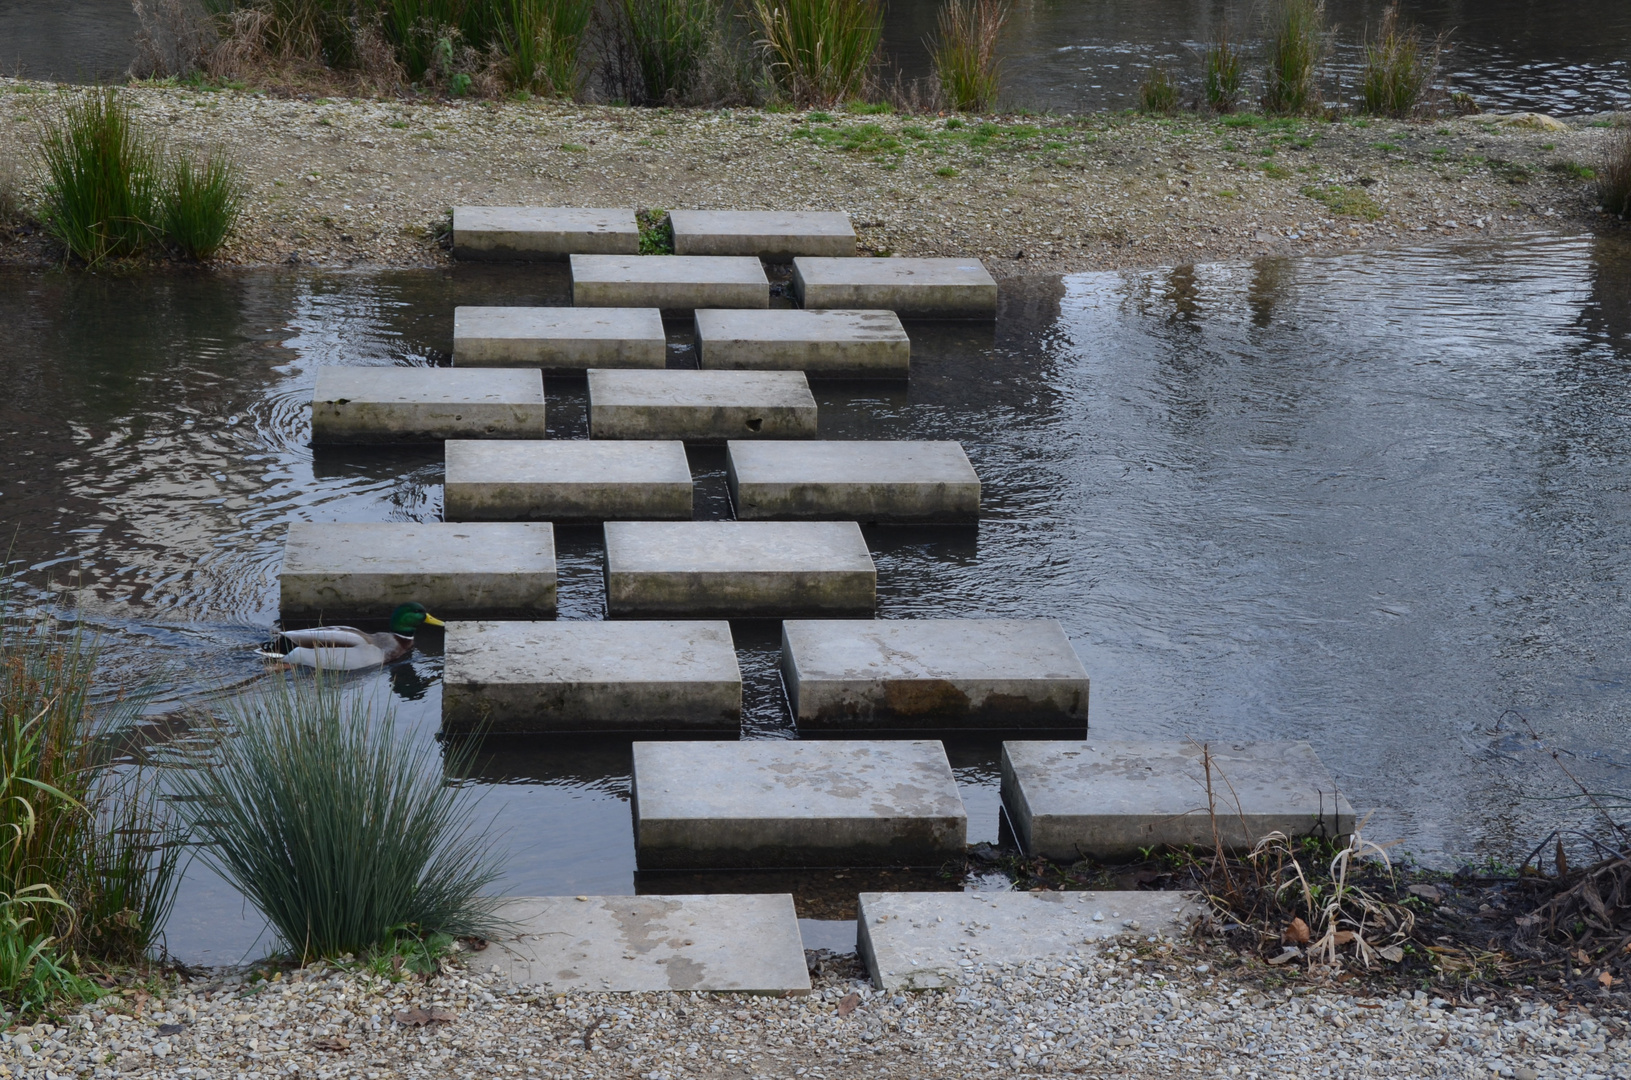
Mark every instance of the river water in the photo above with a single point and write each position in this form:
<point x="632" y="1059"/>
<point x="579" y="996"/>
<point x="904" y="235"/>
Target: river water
<point x="1379" y="502"/>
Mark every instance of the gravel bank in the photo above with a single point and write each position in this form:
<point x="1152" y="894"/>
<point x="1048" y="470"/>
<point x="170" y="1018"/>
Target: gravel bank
<point x="352" y="182"/>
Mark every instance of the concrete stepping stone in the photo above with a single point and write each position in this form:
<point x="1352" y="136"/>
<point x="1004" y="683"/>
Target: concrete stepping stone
<point x="915" y="288"/>
<point x="935" y="674"/>
<point x="700" y="406"/>
<point x="922" y="941"/>
<point x="669" y="282"/>
<point x="852" y="480"/>
<point x="776" y="803"/>
<point x="365" y="569"/>
<point x="559" y="340"/>
<point x="721" y="943"/>
<point x="566" y="480"/>
<point x="774" y="235"/>
<point x="527" y="233"/>
<point x="738" y="569"/>
<point x="1106" y="800"/>
<point x="830" y="344"/>
<point x="596" y="677"/>
<point x="377" y="405"/>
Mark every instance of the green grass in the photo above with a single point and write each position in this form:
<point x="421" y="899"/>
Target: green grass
<point x="656" y="232"/>
<point x="964" y="52"/>
<point x="1296" y="45"/>
<point x="540" y="40"/>
<point x="1222" y="75"/>
<point x="1159" y="94"/>
<point x="1614" y="175"/>
<point x="820" y="51"/>
<point x="869" y="108"/>
<point x="1276" y="172"/>
<point x="1388" y="146"/>
<point x="947" y="171"/>
<point x="1346" y="201"/>
<point x="1573" y="170"/>
<point x="1399" y="67"/>
<point x="668" y="39"/>
<point x="102" y="179"/>
<point x="202" y="204"/>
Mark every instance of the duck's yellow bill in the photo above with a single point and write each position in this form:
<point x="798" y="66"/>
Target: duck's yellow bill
<point x="431" y="620"/>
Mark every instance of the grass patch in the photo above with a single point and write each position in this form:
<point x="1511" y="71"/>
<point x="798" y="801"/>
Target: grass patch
<point x="1158" y="94"/>
<point x="821" y="51"/>
<point x="964" y="52"/>
<point x="1222" y="75"/>
<point x="1399" y="67"/>
<point x="202" y="205"/>
<point x="656" y="232"/>
<point x="1573" y="170"/>
<point x="539" y="40"/>
<point x="947" y="171"/>
<point x="1276" y="172"/>
<point x="1346" y="201"/>
<point x="102" y="179"/>
<point x="1296" y="47"/>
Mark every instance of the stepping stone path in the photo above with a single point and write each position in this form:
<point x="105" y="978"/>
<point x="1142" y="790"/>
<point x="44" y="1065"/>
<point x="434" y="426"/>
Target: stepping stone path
<point x="525" y="233"/>
<point x="915" y="288"/>
<point x="852" y="481"/>
<point x="822" y="344"/>
<point x="669" y="282"/>
<point x="377" y="405"/>
<point x="566" y="480"/>
<point x="772" y="235"/>
<point x="559" y="340"/>
<point x="365" y="569"/>
<point x="594" y="677"/>
<point x="775" y="803"/>
<point x="700" y="406"/>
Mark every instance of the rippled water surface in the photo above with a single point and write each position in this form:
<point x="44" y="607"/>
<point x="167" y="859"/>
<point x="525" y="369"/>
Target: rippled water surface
<point x="1375" y="502"/>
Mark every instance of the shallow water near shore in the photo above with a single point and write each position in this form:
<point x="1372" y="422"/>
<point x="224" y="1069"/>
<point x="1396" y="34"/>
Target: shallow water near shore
<point x="1373" y="501"/>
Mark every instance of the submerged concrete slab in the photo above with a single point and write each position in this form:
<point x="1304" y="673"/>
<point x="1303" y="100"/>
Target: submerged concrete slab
<point x="776" y="235"/>
<point x="831" y="344"/>
<point x="559" y="340"/>
<point x="566" y="480"/>
<point x="852" y="481"/>
<point x="1106" y="800"/>
<point x="738" y="569"/>
<point x="772" y="802"/>
<point x="916" y="288"/>
<point x="598" y="677"/>
<point x="700" y="406"/>
<point x="373" y="405"/>
<point x="670" y="282"/>
<point x="933" y="674"/>
<point x="922" y="941"/>
<point x="528" y="233"/>
<point x="365" y="569"/>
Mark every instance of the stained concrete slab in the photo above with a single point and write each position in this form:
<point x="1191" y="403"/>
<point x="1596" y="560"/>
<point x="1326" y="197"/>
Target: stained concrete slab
<point x="536" y="233"/>
<point x="595" y="677"/>
<point x="566" y="480"/>
<point x="738" y="569"/>
<point x="773" y="235"/>
<point x="838" y="344"/>
<point x="559" y="340"/>
<point x="669" y="282"/>
<point x="380" y="405"/>
<point x="852" y="480"/>
<point x="777" y="803"/>
<point x="700" y="406"/>
<point x="932" y="674"/>
<point x="915" y="288"/>
<point x="720" y="943"/>
<point x="922" y="941"/>
<point x="1106" y="800"/>
<point x="365" y="569"/>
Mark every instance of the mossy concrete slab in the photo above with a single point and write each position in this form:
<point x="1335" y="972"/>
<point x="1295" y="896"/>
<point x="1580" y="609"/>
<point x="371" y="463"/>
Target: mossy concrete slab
<point x="593" y="677"/>
<point x="537" y="233"/>
<point x="559" y="340"/>
<point x="365" y="569"/>
<point x="738" y="569"/>
<point x="1107" y="800"/>
<point x="670" y="282"/>
<point x="777" y="803"/>
<point x="834" y="344"/>
<point x="854" y="480"/>
<point x="914" y="288"/>
<point x="933" y="674"/>
<point x="383" y="405"/>
<point x="773" y="235"/>
<point x="700" y="406"/>
<point x="566" y="480"/>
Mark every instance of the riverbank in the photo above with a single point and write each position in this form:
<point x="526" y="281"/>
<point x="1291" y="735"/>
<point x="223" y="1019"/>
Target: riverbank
<point x="369" y="182"/>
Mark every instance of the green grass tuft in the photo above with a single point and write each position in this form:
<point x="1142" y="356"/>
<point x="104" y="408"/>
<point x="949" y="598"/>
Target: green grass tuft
<point x="964" y="52"/>
<point x="1223" y="73"/>
<point x="1399" y="67"/>
<point x="656" y="232"/>
<point x="820" y="51"/>
<point x="1349" y="202"/>
<point x="201" y="205"/>
<point x="1296" y="45"/>
<point x="1614" y="177"/>
<point x="1158" y="95"/>
<point x="102" y="179"/>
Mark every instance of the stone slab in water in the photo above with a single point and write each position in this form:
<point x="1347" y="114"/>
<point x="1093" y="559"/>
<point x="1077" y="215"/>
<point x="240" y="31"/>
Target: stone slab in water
<point x="720" y="943"/>
<point x="933" y="674"/>
<point x="830" y="344"/>
<point x="1106" y="800"/>
<point x="922" y="940"/>
<point x="529" y="233"/>
<point x="596" y="677"/>
<point x="379" y="405"/>
<point x="669" y="282"/>
<point x="775" y="235"/>
<point x="738" y="569"/>
<point x="700" y="406"/>
<point x="852" y="480"/>
<point x="365" y="569"/>
<point x="559" y="340"/>
<point x="775" y="802"/>
<point x="915" y="288"/>
<point x="566" y="480"/>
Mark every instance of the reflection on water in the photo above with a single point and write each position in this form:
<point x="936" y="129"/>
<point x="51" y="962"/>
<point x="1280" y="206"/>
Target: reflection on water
<point x="1374" y="502"/>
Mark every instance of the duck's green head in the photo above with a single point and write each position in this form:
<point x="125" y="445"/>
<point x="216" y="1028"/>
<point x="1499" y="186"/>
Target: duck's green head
<point x="410" y="617"/>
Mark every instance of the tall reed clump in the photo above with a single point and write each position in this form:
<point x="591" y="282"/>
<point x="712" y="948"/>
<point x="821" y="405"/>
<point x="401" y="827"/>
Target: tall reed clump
<point x="1614" y="177"/>
<point x="540" y="40"/>
<point x="1399" y="67"/>
<point x="1159" y="94"/>
<point x="1296" y="46"/>
<point x="341" y="834"/>
<point x="1222" y="75"/>
<point x="965" y="52"/>
<point x="821" y="51"/>
<point x="666" y="42"/>
<point x="201" y="205"/>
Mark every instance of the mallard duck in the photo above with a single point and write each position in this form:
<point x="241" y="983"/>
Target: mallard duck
<point x="345" y="648"/>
